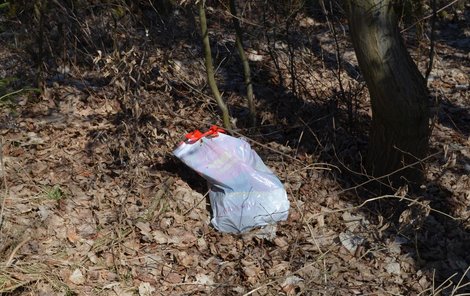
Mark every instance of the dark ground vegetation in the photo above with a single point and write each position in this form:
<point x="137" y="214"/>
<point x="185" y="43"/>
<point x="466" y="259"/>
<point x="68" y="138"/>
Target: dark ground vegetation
<point x="94" y="95"/>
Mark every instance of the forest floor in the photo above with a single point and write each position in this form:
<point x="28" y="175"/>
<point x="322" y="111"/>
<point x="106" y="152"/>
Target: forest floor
<point x="94" y="203"/>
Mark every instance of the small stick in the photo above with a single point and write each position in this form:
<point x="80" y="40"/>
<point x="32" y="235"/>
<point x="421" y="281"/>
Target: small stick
<point x="2" y="170"/>
<point x="245" y="63"/>
<point x="430" y="15"/>
<point x="292" y="273"/>
<point x="433" y="37"/>
<point x="390" y="174"/>
<point x="13" y="253"/>
<point x="413" y="201"/>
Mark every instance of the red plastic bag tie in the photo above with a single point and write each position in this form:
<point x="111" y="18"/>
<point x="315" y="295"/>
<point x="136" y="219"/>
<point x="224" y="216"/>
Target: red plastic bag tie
<point x="196" y="135"/>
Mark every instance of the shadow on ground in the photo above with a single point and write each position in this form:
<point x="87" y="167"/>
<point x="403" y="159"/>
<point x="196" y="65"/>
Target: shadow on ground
<point x="322" y="127"/>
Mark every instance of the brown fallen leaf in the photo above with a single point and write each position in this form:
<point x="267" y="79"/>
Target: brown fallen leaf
<point x="281" y="242"/>
<point x="173" y="278"/>
<point x="279" y="268"/>
<point x="201" y="244"/>
<point x="160" y="237"/>
<point x="251" y="271"/>
<point x="144" y="227"/>
<point x="187" y="260"/>
<point x="72" y="235"/>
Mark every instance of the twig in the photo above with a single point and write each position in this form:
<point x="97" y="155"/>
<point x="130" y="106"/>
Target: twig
<point x="389" y="174"/>
<point x="459" y="284"/>
<point x="430" y="15"/>
<point x="314" y="166"/>
<point x="298" y="143"/>
<point x="199" y="284"/>
<point x="13" y="253"/>
<point x="18" y="91"/>
<point x="433" y="37"/>
<point x="271" y="53"/>
<point x="291" y="48"/>
<point x="312" y="132"/>
<point x="414" y="201"/>
<point x="16" y="286"/>
<point x="246" y="65"/>
<point x="442" y="286"/>
<point x="339" y="65"/>
<point x="358" y="173"/>
<point x="3" y="171"/>
<point x="309" y="226"/>
<point x="238" y="17"/>
<point x="276" y="151"/>
<point x="289" y="274"/>
<point x="193" y="88"/>
<point x="252" y="140"/>
<point x="197" y="204"/>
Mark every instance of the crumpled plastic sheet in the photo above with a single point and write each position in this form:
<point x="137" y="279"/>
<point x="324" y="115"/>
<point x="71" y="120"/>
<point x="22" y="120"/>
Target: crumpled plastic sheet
<point x="244" y="193"/>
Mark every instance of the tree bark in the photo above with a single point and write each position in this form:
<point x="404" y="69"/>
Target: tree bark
<point x="210" y="67"/>
<point x="399" y="133"/>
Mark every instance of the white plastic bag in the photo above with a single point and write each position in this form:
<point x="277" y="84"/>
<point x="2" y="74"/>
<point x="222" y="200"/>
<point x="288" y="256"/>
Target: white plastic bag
<point x="243" y="192"/>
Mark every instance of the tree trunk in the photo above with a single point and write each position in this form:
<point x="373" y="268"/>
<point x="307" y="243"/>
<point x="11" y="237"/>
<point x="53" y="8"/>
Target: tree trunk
<point x="399" y="134"/>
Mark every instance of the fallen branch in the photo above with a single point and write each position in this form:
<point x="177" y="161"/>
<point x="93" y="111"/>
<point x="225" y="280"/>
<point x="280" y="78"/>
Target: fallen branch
<point x="413" y="201"/>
